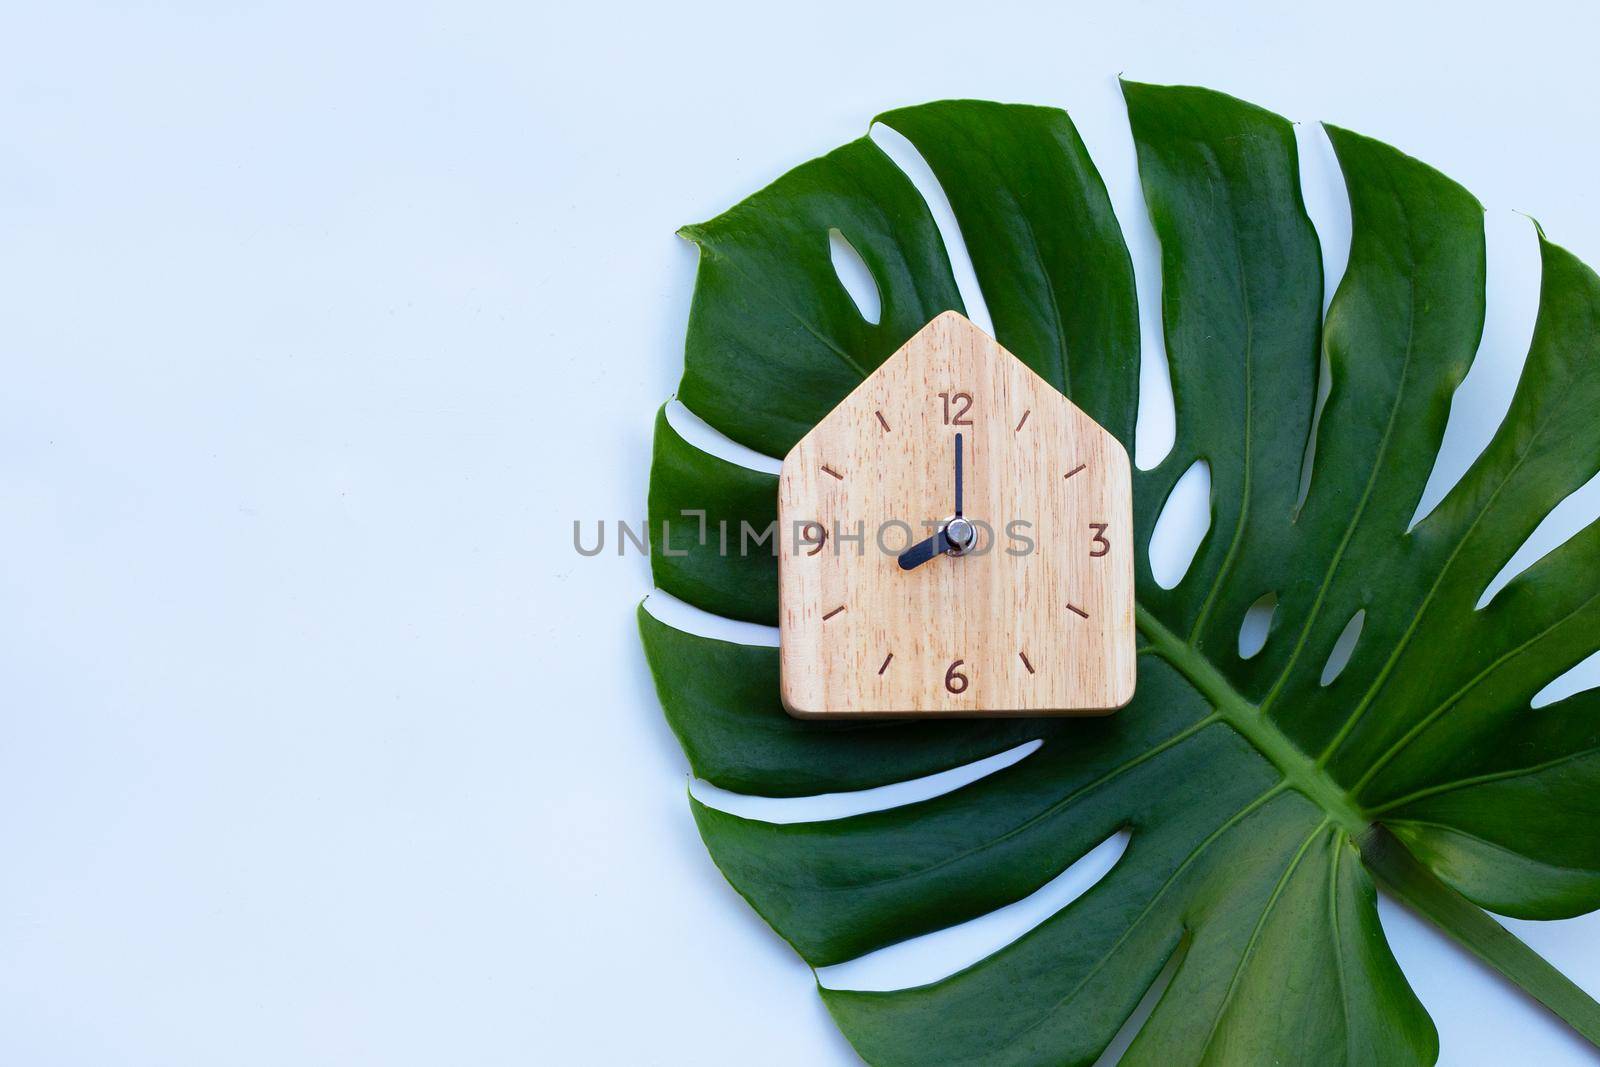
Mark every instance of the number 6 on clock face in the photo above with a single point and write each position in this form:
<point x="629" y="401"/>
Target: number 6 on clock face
<point x="978" y="528"/>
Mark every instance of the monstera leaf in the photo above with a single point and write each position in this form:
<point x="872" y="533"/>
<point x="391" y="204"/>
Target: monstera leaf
<point x="1260" y="801"/>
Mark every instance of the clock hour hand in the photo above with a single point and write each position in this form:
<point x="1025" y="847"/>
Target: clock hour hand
<point x="957" y="537"/>
<point x="924" y="550"/>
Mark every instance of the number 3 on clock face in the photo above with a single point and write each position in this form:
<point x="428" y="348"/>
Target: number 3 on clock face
<point x="955" y="539"/>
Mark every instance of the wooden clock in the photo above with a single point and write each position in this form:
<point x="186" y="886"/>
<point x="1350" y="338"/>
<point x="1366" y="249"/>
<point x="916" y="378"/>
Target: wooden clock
<point x="957" y="540"/>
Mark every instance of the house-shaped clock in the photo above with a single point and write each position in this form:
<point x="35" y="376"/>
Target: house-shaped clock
<point x="956" y="539"/>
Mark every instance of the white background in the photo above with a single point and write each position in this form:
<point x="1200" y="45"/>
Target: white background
<point x="319" y="324"/>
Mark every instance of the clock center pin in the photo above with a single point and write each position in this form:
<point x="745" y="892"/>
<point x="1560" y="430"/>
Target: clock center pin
<point x="962" y="535"/>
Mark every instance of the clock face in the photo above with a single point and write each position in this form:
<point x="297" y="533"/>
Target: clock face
<point x="955" y="538"/>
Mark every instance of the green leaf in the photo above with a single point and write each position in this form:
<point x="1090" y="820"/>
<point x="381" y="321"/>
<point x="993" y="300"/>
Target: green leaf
<point x="1245" y="784"/>
<point x="717" y="551"/>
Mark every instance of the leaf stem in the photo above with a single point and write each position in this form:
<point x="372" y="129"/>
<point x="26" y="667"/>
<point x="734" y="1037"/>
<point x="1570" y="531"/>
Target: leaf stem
<point x="1297" y="768"/>
<point x="1383" y="853"/>
<point x="1478" y="932"/>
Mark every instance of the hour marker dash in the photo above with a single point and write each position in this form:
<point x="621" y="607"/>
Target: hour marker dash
<point x="1070" y="473"/>
<point x="1025" y="662"/>
<point x="886" y="660"/>
<point x="1024" y="418"/>
<point x="1070" y="607"/>
<point x="840" y="608"/>
<point x="829" y="470"/>
<point x="883" y="421"/>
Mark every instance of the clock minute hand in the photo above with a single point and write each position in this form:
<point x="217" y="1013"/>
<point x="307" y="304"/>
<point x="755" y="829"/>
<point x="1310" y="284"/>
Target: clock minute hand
<point x="958" y="476"/>
<point x="924" y="550"/>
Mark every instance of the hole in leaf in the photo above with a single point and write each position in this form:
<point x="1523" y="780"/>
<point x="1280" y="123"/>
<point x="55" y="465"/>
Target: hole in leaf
<point x="680" y="615"/>
<point x="1324" y="387"/>
<point x="854" y="275"/>
<point x="1584" y="675"/>
<point x="828" y="806"/>
<point x="1344" y="647"/>
<point x="1147" y="1004"/>
<point x="1155" y="425"/>
<point x="904" y="155"/>
<point x="1480" y="403"/>
<point x="944" y="952"/>
<point x="1327" y="203"/>
<point x="1577" y="511"/>
<point x="695" y="430"/>
<point x="1256" y="625"/>
<point x="1182" y="525"/>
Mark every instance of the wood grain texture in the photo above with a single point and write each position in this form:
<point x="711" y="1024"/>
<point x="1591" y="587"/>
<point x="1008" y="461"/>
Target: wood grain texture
<point x="1046" y="629"/>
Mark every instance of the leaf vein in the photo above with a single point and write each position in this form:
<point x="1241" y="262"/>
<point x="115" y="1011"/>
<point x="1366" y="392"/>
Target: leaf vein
<point x="1255" y="935"/>
<point x="1188" y="860"/>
